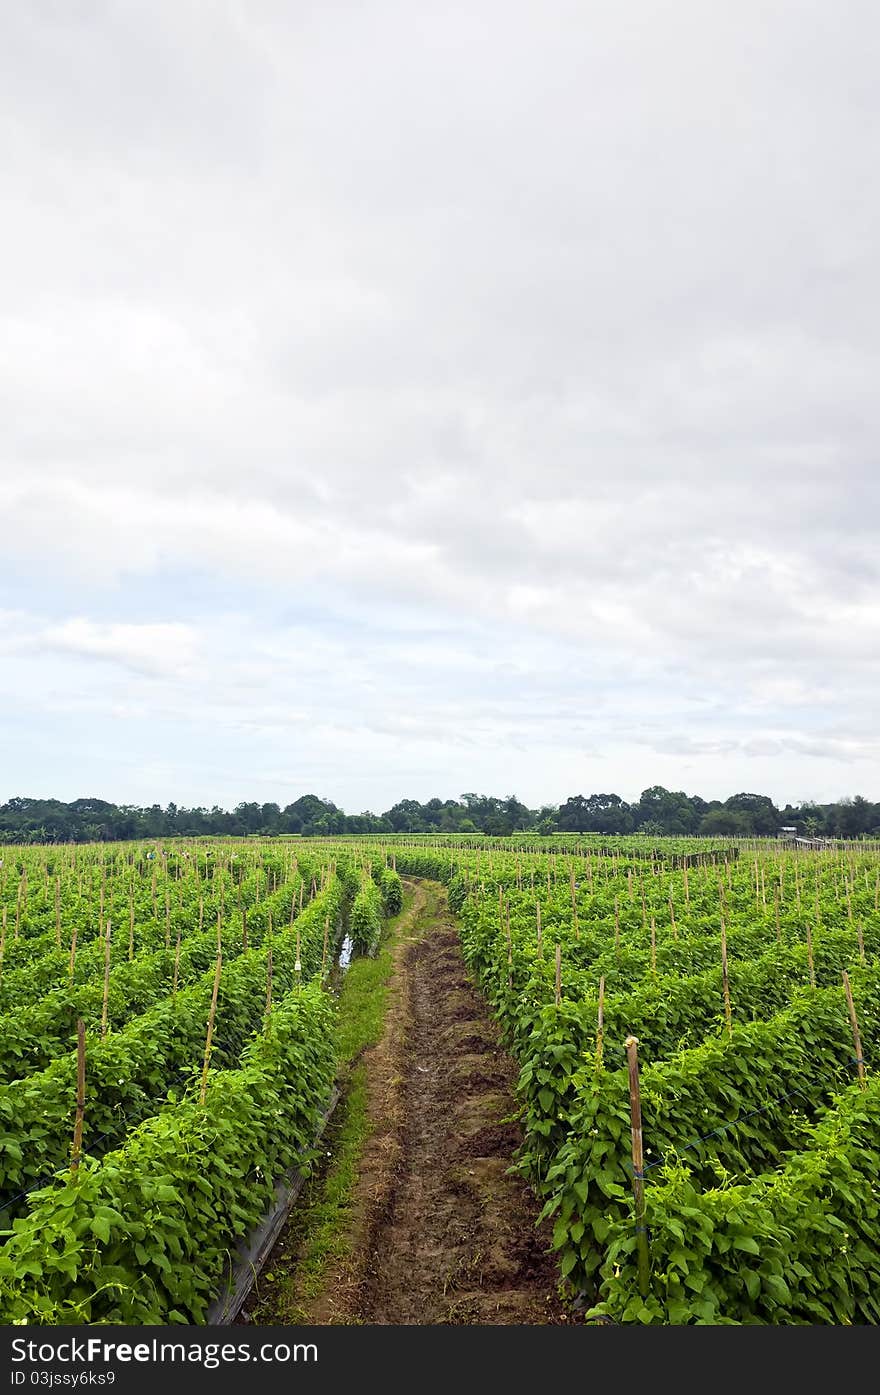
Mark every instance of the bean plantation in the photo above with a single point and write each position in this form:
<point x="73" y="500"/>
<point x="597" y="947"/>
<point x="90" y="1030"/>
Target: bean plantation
<point x="694" y="1027"/>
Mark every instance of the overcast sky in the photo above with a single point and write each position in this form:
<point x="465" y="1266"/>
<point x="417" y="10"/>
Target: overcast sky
<point x="405" y="399"/>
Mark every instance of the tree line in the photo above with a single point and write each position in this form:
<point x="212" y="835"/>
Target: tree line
<point x="658" y="812"/>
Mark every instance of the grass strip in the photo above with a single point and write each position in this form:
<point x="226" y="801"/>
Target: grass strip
<point x="318" y="1233"/>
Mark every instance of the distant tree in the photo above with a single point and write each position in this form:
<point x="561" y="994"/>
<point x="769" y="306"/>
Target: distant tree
<point x="762" y="816"/>
<point x="731" y="822"/>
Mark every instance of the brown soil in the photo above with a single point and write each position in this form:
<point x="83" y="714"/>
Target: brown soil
<point x="442" y="1233"/>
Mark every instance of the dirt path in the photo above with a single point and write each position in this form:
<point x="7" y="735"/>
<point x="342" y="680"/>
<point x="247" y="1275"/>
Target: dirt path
<point x="441" y="1233"/>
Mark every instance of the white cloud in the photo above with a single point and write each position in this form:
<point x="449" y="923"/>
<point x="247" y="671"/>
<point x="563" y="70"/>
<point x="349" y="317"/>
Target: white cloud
<point x="552" y="330"/>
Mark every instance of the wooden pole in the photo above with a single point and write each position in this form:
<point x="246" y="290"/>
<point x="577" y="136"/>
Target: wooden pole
<point x="106" y="982"/>
<point x="558" y="975"/>
<point x="58" y="912"/>
<point x="854" y="1023"/>
<point x="653" y="946"/>
<point x="269" y="979"/>
<point x="324" y="951"/>
<point x="131" y="922"/>
<point x="600" y="1029"/>
<point x="210" y="1034"/>
<point x="616" y="925"/>
<point x="76" y="1151"/>
<point x="861" y="939"/>
<point x="638" y="1162"/>
<point x="176" y="964"/>
<point x="540" y="932"/>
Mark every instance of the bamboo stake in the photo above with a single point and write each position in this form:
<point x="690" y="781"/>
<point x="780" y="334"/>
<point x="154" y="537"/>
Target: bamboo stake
<point x="854" y="1023"/>
<point x="778" y="925"/>
<point x="724" y="979"/>
<point x="324" y="951"/>
<point x="638" y="1162"/>
<point x="210" y="1033"/>
<point x="106" y="982"/>
<point x="509" y="948"/>
<point x="653" y="946"/>
<point x="58" y="912"/>
<point x="76" y="1150"/>
<point x="861" y="939"/>
<point x="540" y="932"/>
<point x="558" y="975"/>
<point x="72" y="955"/>
<point x="616" y="926"/>
<point x="176" y="964"/>
<point x="600" y="1029"/>
<point x="810" y="957"/>
<point x="816" y="898"/>
<point x="269" y="979"/>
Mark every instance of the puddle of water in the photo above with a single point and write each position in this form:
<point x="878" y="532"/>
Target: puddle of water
<point x="345" y="953"/>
